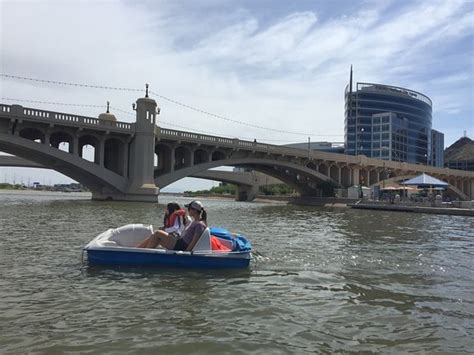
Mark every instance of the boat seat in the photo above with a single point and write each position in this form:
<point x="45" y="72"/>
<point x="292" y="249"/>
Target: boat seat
<point x="130" y="234"/>
<point x="204" y="241"/>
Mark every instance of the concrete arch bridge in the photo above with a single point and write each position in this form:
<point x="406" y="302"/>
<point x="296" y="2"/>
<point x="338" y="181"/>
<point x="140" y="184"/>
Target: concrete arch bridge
<point x="131" y="161"/>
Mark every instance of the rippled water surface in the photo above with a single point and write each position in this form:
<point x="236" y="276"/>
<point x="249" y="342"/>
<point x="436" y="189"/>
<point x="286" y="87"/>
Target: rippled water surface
<point x="336" y="280"/>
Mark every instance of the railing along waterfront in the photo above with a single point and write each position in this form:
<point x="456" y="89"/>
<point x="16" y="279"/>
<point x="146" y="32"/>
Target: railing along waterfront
<point x="17" y="111"/>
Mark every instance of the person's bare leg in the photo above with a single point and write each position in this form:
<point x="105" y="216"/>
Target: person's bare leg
<point x="144" y="243"/>
<point x="158" y="238"/>
<point x="151" y="241"/>
<point x="165" y="240"/>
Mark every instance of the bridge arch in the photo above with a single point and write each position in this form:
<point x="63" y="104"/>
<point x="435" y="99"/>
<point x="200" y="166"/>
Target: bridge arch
<point x="311" y="165"/>
<point x="91" y="175"/>
<point x="293" y="174"/>
<point x="218" y="155"/>
<point x="90" y="140"/>
<point x="345" y="176"/>
<point x="201" y="156"/>
<point x="163" y="154"/>
<point x="59" y="137"/>
<point x="323" y="169"/>
<point x="32" y="134"/>
<point x="182" y="157"/>
<point x="114" y="155"/>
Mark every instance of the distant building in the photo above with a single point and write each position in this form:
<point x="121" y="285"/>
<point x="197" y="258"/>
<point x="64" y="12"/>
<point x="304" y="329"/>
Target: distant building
<point x="437" y="148"/>
<point x="391" y="123"/>
<point x="323" y="146"/>
<point x="460" y="155"/>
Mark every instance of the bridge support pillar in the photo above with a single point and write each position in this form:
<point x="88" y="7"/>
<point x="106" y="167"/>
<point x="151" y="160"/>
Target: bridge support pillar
<point x="172" y="158"/>
<point x="246" y="193"/>
<point x="355" y="176"/>
<point x="101" y="151"/>
<point x="47" y="137"/>
<point x="75" y="145"/>
<point x="125" y="159"/>
<point x="191" y="158"/>
<point x="141" y="185"/>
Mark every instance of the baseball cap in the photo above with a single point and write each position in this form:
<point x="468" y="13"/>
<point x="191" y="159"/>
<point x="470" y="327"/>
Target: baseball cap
<point x="197" y="205"/>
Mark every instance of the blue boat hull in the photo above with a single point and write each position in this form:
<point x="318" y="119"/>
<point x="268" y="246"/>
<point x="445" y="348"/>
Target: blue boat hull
<point x="127" y="258"/>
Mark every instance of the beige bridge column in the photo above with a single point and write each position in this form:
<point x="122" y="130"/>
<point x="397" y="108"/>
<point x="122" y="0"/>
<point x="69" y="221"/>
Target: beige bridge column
<point x="141" y="165"/>
<point x="75" y="144"/>
<point x="141" y="186"/>
<point x="101" y="151"/>
<point x="125" y="158"/>
<point x="355" y="176"/>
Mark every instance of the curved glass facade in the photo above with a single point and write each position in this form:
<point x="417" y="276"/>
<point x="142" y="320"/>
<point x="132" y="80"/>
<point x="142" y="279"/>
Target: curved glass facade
<point x="388" y="122"/>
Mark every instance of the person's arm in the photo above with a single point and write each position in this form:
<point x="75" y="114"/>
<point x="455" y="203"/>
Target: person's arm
<point x="174" y="228"/>
<point x="196" y="236"/>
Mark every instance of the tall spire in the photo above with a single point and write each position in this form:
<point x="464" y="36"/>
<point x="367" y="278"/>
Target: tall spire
<point x="350" y="81"/>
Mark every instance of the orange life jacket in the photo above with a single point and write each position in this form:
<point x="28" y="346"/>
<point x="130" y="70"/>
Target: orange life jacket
<point x="176" y="214"/>
<point x="217" y="245"/>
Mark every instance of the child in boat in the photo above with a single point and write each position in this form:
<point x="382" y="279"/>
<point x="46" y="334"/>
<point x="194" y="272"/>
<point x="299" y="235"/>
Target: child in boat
<point x="175" y="219"/>
<point x="174" y="222"/>
<point x="190" y="235"/>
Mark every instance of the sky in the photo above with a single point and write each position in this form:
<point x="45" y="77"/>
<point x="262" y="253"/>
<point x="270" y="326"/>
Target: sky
<point x="276" y="64"/>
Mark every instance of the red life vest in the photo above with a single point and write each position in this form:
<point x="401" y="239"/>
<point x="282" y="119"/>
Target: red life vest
<point x="176" y="214"/>
<point x="217" y="245"/>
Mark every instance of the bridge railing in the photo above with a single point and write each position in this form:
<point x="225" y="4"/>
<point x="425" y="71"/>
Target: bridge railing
<point x="51" y="116"/>
<point x="20" y="112"/>
<point x="315" y="155"/>
<point x="4" y="108"/>
<point x="230" y="142"/>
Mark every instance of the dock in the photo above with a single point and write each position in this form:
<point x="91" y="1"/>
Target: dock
<point x="414" y="209"/>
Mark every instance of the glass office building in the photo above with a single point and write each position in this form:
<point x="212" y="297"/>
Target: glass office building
<point x="437" y="148"/>
<point x="388" y="122"/>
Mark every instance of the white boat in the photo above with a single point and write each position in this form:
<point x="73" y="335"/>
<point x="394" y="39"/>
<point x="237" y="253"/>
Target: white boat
<point x="117" y="247"/>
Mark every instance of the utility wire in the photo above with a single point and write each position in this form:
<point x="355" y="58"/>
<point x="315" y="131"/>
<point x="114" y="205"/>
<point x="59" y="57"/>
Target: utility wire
<point x="306" y="134"/>
<point x="51" y="103"/>
<point x="237" y="121"/>
<point x="198" y="130"/>
<point x="68" y="83"/>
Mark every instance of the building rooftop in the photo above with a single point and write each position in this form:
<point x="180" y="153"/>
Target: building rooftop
<point x="462" y="149"/>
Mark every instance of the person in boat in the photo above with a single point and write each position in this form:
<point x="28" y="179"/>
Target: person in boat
<point x="174" y="223"/>
<point x="175" y="219"/>
<point x="189" y="237"/>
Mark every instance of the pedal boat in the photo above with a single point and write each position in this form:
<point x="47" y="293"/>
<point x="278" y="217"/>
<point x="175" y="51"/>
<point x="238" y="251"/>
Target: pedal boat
<point x="116" y="247"/>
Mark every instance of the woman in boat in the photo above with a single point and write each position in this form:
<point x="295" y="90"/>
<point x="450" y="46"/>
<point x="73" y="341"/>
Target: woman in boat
<point x="189" y="237"/>
<point x="174" y="222"/>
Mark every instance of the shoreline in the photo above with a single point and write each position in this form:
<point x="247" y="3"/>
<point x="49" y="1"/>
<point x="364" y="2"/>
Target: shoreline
<point x="43" y="192"/>
<point x="453" y="211"/>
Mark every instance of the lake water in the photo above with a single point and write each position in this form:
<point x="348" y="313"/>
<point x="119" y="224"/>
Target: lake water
<point x="335" y="280"/>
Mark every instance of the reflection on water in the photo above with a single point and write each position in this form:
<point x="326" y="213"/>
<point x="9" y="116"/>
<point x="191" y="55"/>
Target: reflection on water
<point x="332" y="280"/>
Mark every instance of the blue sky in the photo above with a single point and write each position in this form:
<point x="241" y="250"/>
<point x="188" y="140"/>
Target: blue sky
<point x="281" y="64"/>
